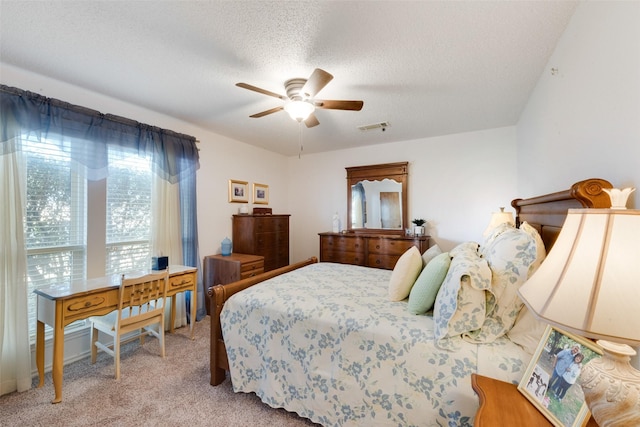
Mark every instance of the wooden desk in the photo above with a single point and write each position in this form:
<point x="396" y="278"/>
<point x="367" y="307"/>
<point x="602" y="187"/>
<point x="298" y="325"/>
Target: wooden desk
<point x="501" y="404"/>
<point x="59" y="305"/>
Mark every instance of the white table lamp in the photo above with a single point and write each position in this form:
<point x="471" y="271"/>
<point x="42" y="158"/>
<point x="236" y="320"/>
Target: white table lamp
<point x="589" y="284"/>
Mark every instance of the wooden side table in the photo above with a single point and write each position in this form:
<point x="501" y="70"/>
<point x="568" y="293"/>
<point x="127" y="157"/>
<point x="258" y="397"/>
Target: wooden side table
<point x="501" y="404"/>
<point x="220" y="270"/>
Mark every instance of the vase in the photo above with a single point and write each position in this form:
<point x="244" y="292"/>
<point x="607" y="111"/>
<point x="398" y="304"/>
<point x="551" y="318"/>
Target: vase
<point x="226" y="247"/>
<point x="418" y="230"/>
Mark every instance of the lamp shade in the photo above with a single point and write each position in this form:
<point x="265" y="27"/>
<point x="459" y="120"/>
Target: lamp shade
<point x="498" y="218"/>
<point x="589" y="283"/>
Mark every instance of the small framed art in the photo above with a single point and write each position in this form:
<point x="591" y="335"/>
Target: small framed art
<point x="260" y="194"/>
<point x="551" y="379"/>
<point x="238" y="191"/>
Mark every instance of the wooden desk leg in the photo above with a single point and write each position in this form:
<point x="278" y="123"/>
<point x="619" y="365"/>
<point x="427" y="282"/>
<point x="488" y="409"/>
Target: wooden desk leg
<point x="58" y="354"/>
<point x="40" y="352"/>
<point x="172" y="320"/>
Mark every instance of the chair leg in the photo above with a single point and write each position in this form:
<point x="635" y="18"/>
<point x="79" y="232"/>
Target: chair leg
<point x="94" y="348"/>
<point x="161" y="339"/>
<point x="116" y="354"/>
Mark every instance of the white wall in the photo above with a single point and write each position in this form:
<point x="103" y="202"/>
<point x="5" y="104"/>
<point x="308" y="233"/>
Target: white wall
<point x="455" y="182"/>
<point x="584" y="121"/>
<point x="587" y="116"/>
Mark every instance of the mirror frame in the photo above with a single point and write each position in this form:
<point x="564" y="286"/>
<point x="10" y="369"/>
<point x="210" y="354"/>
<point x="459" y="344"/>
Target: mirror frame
<point x="397" y="172"/>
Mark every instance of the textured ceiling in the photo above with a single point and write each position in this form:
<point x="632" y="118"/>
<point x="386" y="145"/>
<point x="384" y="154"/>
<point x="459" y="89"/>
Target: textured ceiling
<point x="428" y="68"/>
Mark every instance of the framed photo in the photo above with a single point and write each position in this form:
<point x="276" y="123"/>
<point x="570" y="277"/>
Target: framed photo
<point x="260" y="194"/>
<point x="550" y="381"/>
<point x="238" y="191"/>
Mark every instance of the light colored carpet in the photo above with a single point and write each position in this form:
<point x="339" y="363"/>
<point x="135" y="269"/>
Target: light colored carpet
<point x="152" y="391"/>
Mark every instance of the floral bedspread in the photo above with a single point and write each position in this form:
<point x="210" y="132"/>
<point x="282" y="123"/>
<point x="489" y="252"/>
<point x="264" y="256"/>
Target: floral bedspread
<point x="324" y="341"/>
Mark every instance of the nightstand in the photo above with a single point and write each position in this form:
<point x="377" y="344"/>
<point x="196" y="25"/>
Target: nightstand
<point x="220" y="270"/>
<point x="501" y="404"/>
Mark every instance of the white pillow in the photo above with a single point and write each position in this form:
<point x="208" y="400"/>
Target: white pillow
<point x="527" y="330"/>
<point x="404" y="274"/>
<point x="430" y="254"/>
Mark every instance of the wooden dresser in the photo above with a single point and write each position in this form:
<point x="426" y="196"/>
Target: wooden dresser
<point x="266" y="235"/>
<point x="371" y="250"/>
<point x="220" y="270"/>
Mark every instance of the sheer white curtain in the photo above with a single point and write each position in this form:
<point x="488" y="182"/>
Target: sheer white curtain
<point x="15" y="357"/>
<point x="166" y="239"/>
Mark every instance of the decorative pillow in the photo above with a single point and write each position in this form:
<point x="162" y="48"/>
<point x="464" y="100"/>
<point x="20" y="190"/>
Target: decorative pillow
<point x="511" y="256"/>
<point x="471" y="247"/>
<point x="527" y="331"/>
<point x="424" y="290"/>
<point x="493" y="235"/>
<point x="541" y="252"/>
<point x="404" y="274"/>
<point x="463" y="299"/>
<point x="430" y="254"/>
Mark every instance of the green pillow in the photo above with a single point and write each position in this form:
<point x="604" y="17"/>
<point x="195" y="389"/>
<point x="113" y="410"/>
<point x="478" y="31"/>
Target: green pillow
<point x="425" y="289"/>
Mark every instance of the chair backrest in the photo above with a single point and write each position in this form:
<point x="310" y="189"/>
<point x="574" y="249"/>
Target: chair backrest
<point x="142" y="297"/>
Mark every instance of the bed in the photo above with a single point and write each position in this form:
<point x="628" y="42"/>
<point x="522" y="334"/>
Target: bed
<point x="337" y="344"/>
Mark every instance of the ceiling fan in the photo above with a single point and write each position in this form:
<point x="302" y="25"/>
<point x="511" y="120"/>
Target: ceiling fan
<point x="300" y="101"/>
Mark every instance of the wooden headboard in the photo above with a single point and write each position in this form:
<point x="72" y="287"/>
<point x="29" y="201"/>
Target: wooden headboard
<point x="547" y="213"/>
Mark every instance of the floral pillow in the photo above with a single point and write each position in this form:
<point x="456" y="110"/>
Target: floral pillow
<point x="511" y="256"/>
<point x="464" y="297"/>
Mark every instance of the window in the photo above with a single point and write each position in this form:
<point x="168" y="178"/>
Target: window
<point x="128" y="213"/>
<point x="59" y="216"/>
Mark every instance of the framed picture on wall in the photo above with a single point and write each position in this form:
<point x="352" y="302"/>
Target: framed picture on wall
<point x="260" y="194"/>
<point x="238" y="191"/>
<point x="550" y="381"/>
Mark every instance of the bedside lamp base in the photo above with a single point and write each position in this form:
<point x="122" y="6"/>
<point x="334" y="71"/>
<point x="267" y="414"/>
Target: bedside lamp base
<point x="611" y="386"/>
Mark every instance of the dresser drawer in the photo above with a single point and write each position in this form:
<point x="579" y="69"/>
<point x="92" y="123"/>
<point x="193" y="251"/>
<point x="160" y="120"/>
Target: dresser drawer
<point x="343" y="243"/>
<point x="355" y="258"/>
<point x="269" y="224"/>
<point x="249" y="269"/>
<point x="386" y="262"/>
<point x="389" y="246"/>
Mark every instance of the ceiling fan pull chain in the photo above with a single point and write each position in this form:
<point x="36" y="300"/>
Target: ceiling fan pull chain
<point x="300" y="137"/>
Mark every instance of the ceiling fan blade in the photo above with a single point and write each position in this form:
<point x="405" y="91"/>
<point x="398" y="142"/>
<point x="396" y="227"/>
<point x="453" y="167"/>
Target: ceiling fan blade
<point x="260" y="90"/>
<point x="311" y="121"/>
<point x="333" y="104"/>
<point x="264" y="113"/>
<point x="319" y="79"/>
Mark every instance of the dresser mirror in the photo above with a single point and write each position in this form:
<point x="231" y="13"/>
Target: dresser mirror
<point x="377" y="198"/>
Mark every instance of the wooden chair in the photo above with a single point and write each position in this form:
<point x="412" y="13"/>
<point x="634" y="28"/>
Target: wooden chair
<point x="140" y="307"/>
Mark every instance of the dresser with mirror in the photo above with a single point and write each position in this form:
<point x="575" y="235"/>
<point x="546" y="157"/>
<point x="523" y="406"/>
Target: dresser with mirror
<point x="376" y="219"/>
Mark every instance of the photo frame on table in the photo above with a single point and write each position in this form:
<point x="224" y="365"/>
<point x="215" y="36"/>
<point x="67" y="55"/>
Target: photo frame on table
<point x="238" y="191"/>
<point x="560" y="401"/>
<point x="260" y="194"/>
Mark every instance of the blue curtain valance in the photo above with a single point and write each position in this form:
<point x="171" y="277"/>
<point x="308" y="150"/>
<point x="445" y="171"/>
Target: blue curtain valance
<point x="87" y="134"/>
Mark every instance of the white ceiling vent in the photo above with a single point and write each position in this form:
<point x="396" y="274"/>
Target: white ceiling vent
<point x="381" y="125"/>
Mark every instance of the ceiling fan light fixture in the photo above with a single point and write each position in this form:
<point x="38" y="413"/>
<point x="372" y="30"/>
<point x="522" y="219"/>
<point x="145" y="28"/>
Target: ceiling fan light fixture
<point x="299" y="110"/>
